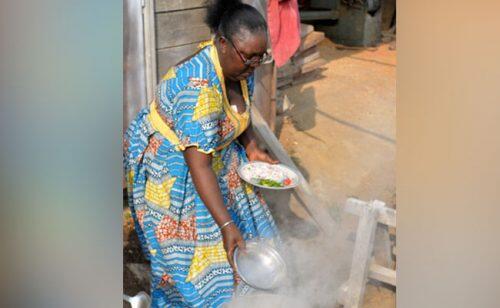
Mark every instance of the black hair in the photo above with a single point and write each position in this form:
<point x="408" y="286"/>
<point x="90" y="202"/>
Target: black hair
<point x="230" y="17"/>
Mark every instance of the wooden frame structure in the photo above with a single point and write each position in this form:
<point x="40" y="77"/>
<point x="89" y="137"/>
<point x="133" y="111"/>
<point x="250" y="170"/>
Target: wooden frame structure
<point x="372" y="214"/>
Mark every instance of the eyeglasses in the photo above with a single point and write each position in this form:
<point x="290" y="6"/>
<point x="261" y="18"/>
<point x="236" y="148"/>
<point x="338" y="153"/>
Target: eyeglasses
<point x="264" y="59"/>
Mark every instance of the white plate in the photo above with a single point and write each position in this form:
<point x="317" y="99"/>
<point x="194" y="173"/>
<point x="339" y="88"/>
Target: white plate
<point x="251" y="172"/>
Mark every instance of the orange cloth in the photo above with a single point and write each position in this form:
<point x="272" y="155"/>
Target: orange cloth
<point x="283" y="20"/>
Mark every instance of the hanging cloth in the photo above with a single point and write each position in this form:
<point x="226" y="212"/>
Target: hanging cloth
<point x="283" y="20"/>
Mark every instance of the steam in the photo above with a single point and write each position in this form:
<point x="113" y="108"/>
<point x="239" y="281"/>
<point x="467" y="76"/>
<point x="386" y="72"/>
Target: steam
<point x="317" y="265"/>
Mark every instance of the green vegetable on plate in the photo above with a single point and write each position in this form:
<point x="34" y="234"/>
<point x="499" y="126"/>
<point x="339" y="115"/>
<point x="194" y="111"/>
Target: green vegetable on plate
<point x="269" y="183"/>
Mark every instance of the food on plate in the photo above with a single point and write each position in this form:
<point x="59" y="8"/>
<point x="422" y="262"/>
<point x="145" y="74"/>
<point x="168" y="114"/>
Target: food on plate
<point x="269" y="183"/>
<point x="268" y="175"/>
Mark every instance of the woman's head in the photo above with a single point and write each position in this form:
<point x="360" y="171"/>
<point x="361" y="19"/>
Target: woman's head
<point x="241" y="36"/>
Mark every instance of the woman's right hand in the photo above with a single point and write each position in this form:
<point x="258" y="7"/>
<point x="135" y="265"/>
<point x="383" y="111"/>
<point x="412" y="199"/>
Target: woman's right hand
<point x="232" y="238"/>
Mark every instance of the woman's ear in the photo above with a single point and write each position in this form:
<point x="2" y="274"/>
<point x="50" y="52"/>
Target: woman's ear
<point x="223" y="44"/>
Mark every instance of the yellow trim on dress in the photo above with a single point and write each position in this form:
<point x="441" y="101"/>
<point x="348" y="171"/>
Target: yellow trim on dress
<point x="160" y="126"/>
<point x="205" y="43"/>
<point x="170" y="74"/>
<point x="240" y="121"/>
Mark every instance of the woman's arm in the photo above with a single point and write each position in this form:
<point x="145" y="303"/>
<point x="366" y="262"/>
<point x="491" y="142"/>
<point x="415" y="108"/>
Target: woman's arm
<point x="247" y="138"/>
<point x="249" y="142"/>
<point x="205" y="181"/>
<point x="207" y="186"/>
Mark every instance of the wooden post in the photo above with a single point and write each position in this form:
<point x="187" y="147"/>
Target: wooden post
<point x="363" y="266"/>
<point x="263" y="92"/>
<point x="150" y="48"/>
<point x="272" y="102"/>
<point x="362" y="255"/>
<point x="386" y="216"/>
<point x="382" y="249"/>
<point x="318" y="210"/>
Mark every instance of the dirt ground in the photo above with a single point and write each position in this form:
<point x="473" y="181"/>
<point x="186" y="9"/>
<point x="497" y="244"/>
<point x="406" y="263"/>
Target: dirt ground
<point x="341" y="128"/>
<point x="340" y="131"/>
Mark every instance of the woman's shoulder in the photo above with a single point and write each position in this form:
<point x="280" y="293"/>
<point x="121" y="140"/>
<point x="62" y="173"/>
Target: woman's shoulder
<point x="198" y="66"/>
<point x="195" y="72"/>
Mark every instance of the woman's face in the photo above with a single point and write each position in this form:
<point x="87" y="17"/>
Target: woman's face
<point x="240" y="48"/>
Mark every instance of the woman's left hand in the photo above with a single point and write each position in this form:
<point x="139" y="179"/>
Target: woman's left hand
<point x="254" y="153"/>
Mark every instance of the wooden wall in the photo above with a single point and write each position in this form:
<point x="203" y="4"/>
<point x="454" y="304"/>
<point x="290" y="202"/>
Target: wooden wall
<point x="264" y="97"/>
<point x="180" y="28"/>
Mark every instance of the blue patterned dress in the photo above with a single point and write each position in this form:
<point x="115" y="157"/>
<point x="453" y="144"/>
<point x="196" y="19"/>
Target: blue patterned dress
<point x="178" y="234"/>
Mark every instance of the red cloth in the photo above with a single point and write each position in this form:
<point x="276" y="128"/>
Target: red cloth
<point x="283" y="20"/>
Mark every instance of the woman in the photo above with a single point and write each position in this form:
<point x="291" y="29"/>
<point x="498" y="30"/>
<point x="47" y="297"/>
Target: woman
<point x="190" y="208"/>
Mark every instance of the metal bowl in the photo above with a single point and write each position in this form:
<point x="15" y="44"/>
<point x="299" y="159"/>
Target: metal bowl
<point x="260" y="265"/>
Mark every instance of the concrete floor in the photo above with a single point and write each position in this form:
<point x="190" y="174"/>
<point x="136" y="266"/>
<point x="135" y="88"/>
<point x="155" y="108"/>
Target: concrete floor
<point x="340" y="131"/>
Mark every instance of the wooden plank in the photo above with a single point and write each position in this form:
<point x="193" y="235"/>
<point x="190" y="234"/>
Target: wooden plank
<point x="170" y="56"/>
<point x="150" y="49"/>
<point x="311" y="66"/>
<point x="274" y="82"/>
<point x="263" y="92"/>
<point x="289" y="69"/>
<point x="310" y="40"/>
<point x="292" y="67"/>
<point x="306" y="58"/>
<point x="307" y="77"/>
<point x="287" y="82"/>
<point x="387" y="216"/>
<point x="382" y="250"/>
<point x="305" y="29"/>
<point x="319" y="15"/>
<point x="181" y="28"/>
<point x="305" y="53"/>
<point x="284" y="81"/>
<point x="319" y="212"/>
<point x="134" y="65"/>
<point x="285" y="86"/>
<point x="283" y="105"/>
<point x="361" y="259"/>
<point x="342" y="294"/>
<point x="388" y="11"/>
<point x="323" y="4"/>
<point x="383" y="274"/>
<point x="176" y="5"/>
<point x="261" y="101"/>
